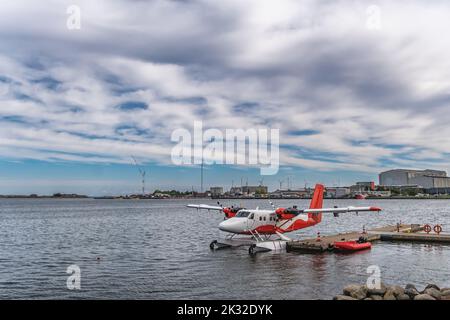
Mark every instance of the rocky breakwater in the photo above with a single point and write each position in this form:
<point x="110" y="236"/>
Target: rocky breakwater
<point x="385" y="292"/>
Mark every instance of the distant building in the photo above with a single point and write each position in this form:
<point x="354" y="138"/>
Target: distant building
<point x="216" y="191"/>
<point x="426" y="179"/>
<point x="337" y="192"/>
<point x="363" y="187"/>
<point x="436" y="191"/>
<point x="379" y="193"/>
<point x="367" y="185"/>
<point x="235" y="191"/>
<point x="291" y="193"/>
<point x="250" y="190"/>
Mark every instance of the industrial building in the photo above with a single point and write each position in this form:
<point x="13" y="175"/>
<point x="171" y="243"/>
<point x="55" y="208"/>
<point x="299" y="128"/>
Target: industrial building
<point x="288" y="193"/>
<point x="363" y="187"/>
<point x="426" y="179"/>
<point x="337" y="192"/>
<point x="249" y="190"/>
<point x="255" y="189"/>
<point x="216" y="191"/>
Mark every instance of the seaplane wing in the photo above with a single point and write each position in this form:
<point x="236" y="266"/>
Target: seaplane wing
<point x="204" y="206"/>
<point x="342" y="210"/>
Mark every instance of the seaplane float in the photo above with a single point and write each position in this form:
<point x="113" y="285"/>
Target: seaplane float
<point x="264" y="230"/>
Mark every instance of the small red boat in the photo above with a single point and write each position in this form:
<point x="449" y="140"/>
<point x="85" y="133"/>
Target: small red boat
<point x="352" y="245"/>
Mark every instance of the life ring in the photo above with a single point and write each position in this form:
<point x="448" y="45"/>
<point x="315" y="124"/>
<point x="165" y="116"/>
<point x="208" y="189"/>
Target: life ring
<point x="427" y="228"/>
<point x="437" y="228"/>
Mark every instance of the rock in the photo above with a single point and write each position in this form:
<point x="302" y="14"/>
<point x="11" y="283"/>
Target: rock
<point x="410" y="286"/>
<point x="445" y="292"/>
<point x="424" y="296"/>
<point x="359" y="293"/>
<point x="403" y="296"/>
<point x="431" y="286"/>
<point x="342" y="297"/>
<point x="389" y="295"/>
<point x="411" y="291"/>
<point x="350" y="288"/>
<point x="397" y="290"/>
<point x="433" y="292"/>
<point x="377" y="291"/>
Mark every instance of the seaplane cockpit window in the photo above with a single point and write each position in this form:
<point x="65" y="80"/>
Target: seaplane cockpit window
<point x="242" y="214"/>
<point x="251" y="216"/>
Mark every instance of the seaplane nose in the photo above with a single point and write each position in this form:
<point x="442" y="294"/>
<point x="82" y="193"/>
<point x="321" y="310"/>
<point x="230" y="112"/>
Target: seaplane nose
<point x="231" y="225"/>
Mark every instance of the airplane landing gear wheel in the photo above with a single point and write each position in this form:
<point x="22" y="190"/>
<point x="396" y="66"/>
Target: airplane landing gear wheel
<point x="251" y="249"/>
<point x="211" y="245"/>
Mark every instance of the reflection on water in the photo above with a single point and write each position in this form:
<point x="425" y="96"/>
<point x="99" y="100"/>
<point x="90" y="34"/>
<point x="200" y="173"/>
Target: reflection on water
<point x="159" y="250"/>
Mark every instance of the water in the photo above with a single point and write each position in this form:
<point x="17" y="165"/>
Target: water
<point x="158" y="249"/>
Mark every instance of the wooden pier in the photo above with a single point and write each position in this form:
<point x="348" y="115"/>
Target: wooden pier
<point x="403" y="232"/>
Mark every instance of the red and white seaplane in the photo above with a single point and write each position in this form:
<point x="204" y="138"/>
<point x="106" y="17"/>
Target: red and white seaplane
<point x="260" y="225"/>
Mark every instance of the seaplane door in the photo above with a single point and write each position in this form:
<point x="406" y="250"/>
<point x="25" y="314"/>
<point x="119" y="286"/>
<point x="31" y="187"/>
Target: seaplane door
<point x="251" y="221"/>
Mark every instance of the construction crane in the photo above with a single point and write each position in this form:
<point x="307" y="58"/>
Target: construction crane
<point x="142" y="173"/>
<point x="201" y="177"/>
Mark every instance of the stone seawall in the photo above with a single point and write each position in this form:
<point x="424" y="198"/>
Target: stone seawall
<point x="385" y="292"/>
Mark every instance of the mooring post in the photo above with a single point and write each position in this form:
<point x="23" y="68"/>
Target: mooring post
<point x="318" y="237"/>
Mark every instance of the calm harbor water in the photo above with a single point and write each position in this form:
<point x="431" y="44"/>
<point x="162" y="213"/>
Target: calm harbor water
<point x="158" y="249"/>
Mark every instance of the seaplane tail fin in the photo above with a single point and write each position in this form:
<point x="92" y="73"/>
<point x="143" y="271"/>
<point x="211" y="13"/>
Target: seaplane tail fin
<point x="317" y="203"/>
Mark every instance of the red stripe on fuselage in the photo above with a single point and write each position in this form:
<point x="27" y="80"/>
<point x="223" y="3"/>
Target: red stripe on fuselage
<point x="298" y="224"/>
<point x="271" y="229"/>
<point x="265" y="229"/>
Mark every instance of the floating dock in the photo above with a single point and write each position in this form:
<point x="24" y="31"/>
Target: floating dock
<point x="415" y="237"/>
<point x="399" y="232"/>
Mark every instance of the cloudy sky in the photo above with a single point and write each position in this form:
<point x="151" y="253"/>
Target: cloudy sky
<point x="355" y="87"/>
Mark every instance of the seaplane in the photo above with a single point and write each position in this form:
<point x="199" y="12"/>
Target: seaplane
<point x="264" y="230"/>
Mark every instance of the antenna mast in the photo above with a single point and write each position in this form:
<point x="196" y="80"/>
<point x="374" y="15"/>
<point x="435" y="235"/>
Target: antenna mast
<point x="142" y="173"/>
<point x="201" y="177"/>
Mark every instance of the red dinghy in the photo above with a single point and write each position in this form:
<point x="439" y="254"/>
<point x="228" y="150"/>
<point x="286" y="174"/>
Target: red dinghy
<point x="351" y="245"/>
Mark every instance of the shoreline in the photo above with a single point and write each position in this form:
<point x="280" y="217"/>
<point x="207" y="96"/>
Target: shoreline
<point x="213" y="199"/>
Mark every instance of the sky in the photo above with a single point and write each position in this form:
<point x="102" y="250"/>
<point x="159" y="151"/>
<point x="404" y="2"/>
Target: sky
<point x="355" y="88"/>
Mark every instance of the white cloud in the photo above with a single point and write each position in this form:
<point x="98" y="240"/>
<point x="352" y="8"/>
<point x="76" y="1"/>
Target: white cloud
<point x="368" y="96"/>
